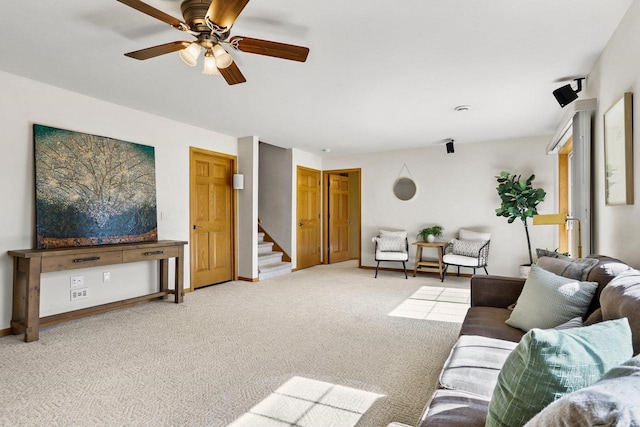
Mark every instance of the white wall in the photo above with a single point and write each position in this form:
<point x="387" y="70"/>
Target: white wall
<point x="25" y="102"/>
<point x="248" y="208"/>
<point x="617" y="228"/>
<point x="456" y="191"/>
<point x="273" y="201"/>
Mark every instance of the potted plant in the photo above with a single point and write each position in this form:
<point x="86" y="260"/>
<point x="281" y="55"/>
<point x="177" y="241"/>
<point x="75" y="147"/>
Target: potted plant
<point x="429" y="234"/>
<point x="519" y="201"/>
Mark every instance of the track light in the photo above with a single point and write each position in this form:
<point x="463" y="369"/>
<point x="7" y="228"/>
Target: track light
<point x="565" y="95"/>
<point x="210" y="68"/>
<point x="450" y="146"/>
<point x="190" y="54"/>
<point x="223" y="59"/>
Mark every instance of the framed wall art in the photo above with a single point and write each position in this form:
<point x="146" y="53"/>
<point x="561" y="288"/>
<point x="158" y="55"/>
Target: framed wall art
<point x="618" y="152"/>
<point x="92" y="190"/>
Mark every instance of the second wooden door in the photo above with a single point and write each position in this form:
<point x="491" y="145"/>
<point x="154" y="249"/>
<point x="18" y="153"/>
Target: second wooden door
<point x="339" y="218"/>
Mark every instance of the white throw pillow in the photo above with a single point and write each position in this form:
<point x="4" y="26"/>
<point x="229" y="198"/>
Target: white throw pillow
<point x="387" y="233"/>
<point x="576" y="322"/>
<point x="391" y="244"/>
<point x="469" y="248"/>
<point x="548" y="300"/>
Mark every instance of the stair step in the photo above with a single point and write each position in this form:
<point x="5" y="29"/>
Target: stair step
<point x="260" y="237"/>
<point x="265" y="247"/>
<point x="274" y="270"/>
<point x="269" y="258"/>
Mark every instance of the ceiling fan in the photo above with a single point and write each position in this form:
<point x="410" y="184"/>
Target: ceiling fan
<point x="210" y="23"/>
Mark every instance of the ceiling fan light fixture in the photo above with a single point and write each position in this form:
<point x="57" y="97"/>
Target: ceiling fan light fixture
<point x="223" y="58"/>
<point x="190" y="54"/>
<point x="210" y="68"/>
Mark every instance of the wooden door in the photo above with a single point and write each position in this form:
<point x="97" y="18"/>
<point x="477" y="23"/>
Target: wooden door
<point x="211" y="212"/>
<point x="308" y="217"/>
<point x="339" y="218"/>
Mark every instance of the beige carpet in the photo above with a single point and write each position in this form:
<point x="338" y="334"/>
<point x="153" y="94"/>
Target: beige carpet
<point x="232" y="350"/>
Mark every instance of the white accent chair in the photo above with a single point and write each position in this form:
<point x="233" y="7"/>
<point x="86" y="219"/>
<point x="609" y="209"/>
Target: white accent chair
<point x="391" y="246"/>
<point x="470" y="250"/>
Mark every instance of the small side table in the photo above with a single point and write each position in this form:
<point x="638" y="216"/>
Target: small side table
<point x="430" y="264"/>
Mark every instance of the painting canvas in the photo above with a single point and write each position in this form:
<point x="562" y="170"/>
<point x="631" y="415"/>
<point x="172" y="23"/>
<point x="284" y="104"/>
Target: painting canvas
<point x="92" y="190"/>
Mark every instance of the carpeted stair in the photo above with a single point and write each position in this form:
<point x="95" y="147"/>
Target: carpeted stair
<point x="270" y="262"/>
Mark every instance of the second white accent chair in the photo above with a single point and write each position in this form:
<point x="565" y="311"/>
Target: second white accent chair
<point x="470" y="250"/>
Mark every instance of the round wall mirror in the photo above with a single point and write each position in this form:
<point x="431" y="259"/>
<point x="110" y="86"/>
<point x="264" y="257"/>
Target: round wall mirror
<point x="404" y="188"/>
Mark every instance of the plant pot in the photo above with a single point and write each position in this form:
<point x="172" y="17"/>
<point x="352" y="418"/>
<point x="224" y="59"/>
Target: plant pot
<point x="431" y="238"/>
<point x="524" y="270"/>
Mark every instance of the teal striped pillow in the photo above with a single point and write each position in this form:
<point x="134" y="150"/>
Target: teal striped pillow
<point x="549" y="363"/>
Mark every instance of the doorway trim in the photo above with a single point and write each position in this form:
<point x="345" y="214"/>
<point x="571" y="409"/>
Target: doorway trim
<point x="563" y="192"/>
<point x="234" y="212"/>
<point x="325" y="211"/>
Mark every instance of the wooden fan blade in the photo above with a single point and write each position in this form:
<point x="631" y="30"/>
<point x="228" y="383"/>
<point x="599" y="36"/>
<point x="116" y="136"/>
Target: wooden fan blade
<point x="158" y="14"/>
<point x="268" y="48"/>
<point x="232" y="74"/>
<point x="224" y="12"/>
<point x="152" y="52"/>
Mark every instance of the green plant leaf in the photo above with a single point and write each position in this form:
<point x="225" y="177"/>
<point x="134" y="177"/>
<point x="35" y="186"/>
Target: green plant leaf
<point x="519" y="200"/>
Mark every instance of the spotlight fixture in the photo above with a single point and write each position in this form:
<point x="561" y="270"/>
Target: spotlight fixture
<point x="450" y="146"/>
<point x="565" y="95"/>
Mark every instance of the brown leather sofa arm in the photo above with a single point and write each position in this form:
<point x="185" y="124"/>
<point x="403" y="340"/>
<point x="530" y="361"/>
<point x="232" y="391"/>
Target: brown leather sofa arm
<point x="495" y="291"/>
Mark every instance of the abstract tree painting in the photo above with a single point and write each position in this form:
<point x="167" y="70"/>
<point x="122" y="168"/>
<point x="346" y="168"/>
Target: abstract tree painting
<point x="92" y="190"/>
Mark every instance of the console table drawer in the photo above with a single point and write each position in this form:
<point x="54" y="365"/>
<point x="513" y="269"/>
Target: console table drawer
<point x="83" y="260"/>
<point x="147" y="254"/>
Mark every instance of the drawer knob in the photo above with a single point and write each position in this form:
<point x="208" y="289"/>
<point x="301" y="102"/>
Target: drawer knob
<point x="153" y="253"/>
<point x="93" y="258"/>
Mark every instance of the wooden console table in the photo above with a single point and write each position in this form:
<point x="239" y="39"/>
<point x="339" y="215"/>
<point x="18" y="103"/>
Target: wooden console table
<point x="430" y="265"/>
<point x="29" y="264"/>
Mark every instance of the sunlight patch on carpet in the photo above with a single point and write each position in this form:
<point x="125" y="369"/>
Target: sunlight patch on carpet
<point x="435" y="303"/>
<point x="303" y="402"/>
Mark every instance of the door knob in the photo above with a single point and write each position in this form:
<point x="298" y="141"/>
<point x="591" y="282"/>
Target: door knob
<point x="196" y="227"/>
<point x="300" y="224"/>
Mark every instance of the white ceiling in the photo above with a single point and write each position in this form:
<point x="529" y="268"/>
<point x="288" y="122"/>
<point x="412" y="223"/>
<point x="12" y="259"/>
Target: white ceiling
<point x="381" y="75"/>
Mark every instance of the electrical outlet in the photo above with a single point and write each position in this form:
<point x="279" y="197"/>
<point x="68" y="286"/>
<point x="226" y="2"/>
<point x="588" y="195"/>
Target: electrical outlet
<point x="77" y="281"/>
<point x="106" y="276"/>
<point x="81" y="293"/>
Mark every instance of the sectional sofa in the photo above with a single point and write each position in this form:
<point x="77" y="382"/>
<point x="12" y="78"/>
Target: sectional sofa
<point x="495" y="348"/>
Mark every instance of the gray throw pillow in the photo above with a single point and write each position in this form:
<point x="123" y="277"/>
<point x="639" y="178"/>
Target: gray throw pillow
<point x="551" y="254"/>
<point x="566" y="267"/>
<point x="548" y="300"/>
<point x="621" y="298"/>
